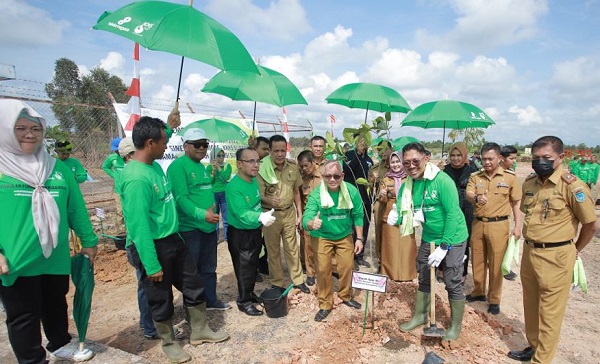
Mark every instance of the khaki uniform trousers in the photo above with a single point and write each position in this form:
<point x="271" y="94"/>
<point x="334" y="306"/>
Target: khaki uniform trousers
<point x="283" y="230"/>
<point x="546" y="275"/>
<point x="343" y="251"/>
<point x="488" y="245"/>
<point x="307" y="256"/>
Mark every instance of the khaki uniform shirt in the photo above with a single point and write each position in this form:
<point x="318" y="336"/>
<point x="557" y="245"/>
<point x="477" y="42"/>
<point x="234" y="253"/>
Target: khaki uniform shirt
<point x="309" y="183"/>
<point x="502" y="189"/>
<point x="318" y="166"/>
<point x="554" y="208"/>
<point x="289" y="181"/>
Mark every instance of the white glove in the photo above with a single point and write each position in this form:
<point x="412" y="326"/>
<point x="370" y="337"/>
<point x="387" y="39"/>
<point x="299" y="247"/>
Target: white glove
<point x="393" y="215"/>
<point x="267" y="218"/>
<point x="436" y="258"/>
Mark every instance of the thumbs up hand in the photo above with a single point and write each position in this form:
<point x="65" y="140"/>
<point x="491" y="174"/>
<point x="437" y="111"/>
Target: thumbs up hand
<point x="317" y="222"/>
<point x="393" y="215"/>
<point x="210" y="216"/>
<point x="267" y="218"/>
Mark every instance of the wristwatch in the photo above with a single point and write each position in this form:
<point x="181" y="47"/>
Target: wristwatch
<point x="360" y="239"/>
<point x="445" y="246"/>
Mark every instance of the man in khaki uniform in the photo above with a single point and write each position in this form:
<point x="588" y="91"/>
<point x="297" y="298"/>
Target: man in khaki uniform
<point x="310" y="181"/>
<point x="376" y="174"/>
<point x="494" y="191"/>
<point x="554" y="203"/>
<point x="279" y="183"/>
<point x="317" y="148"/>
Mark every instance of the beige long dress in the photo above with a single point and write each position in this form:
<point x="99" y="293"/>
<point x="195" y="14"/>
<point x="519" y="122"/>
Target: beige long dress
<point x="398" y="253"/>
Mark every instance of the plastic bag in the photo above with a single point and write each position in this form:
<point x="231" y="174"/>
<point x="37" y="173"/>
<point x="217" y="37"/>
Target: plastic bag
<point x="579" y="277"/>
<point x="511" y="255"/>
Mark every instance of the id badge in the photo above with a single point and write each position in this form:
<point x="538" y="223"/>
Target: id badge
<point x="418" y="218"/>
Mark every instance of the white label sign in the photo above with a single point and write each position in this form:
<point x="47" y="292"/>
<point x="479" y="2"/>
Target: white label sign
<point x="369" y="281"/>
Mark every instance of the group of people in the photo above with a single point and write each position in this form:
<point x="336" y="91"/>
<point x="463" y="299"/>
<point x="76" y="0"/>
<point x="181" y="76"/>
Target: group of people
<point x="171" y="220"/>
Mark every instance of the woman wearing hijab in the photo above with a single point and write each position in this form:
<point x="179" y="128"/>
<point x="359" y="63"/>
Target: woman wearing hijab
<point x="45" y="201"/>
<point x="221" y="174"/>
<point x="460" y="169"/>
<point x="398" y="253"/>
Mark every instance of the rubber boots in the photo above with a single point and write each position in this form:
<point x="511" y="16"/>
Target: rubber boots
<point x="170" y="346"/>
<point x="420" y="315"/>
<point x="201" y="333"/>
<point x="457" y="310"/>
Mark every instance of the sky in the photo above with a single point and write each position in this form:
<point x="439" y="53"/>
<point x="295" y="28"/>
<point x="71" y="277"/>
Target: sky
<point x="532" y="65"/>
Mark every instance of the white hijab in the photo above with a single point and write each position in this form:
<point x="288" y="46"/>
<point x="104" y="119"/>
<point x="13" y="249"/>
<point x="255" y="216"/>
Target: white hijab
<point x="33" y="169"/>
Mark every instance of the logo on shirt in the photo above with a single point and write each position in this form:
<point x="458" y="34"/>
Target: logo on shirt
<point x="156" y="189"/>
<point x="193" y="174"/>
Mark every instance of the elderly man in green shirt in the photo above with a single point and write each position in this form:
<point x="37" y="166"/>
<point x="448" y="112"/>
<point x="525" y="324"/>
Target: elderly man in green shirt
<point x="333" y="208"/>
<point x="158" y="249"/>
<point x="430" y="199"/>
<point x="193" y="192"/>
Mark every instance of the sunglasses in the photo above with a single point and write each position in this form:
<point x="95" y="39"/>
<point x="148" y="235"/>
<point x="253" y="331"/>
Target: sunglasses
<point x="199" y="145"/>
<point x="336" y="177"/>
<point x="414" y="162"/>
<point x="220" y="155"/>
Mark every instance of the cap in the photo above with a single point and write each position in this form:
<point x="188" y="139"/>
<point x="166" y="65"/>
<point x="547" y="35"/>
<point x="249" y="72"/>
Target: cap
<point x="114" y="144"/>
<point x="194" y="134"/>
<point x="63" y="146"/>
<point x="126" y="146"/>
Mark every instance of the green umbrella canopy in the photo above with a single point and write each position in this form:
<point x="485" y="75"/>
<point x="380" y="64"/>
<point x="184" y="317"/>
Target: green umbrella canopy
<point x="269" y="86"/>
<point x="400" y="142"/>
<point x="217" y="130"/>
<point x="447" y="114"/>
<point x="368" y="96"/>
<point x="178" y="29"/>
<point x="82" y="274"/>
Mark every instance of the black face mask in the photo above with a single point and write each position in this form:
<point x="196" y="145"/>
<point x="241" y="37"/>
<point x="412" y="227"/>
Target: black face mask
<point x="543" y="167"/>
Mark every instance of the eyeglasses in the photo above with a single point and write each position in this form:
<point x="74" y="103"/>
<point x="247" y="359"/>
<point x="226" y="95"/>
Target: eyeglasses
<point x="414" y="162"/>
<point x="198" y="145"/>
<point x="32" y="130"/>
<point x="334" y="176"/>
<point x="250" y="161"/>
<point x="220" y="155"/>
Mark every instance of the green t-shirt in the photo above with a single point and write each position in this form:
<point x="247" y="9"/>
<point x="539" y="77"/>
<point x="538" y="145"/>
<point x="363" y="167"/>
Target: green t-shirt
<point x="444" y="220"/>
<point x="337" y="223"/>
<point x="149" y="209"/>
<point x="78" y="171"/>
<point x="243" y="203"/>
<point x="113" y="162"/>
<point x="19" y="242"/>
<point x="222" y="176"/>
<point x="192" y="189"/>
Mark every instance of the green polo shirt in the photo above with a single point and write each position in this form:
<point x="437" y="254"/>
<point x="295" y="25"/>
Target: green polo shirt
<point x="78" y="171"/>
<point x="243" y="203"/>
<point x="222" y="176"/>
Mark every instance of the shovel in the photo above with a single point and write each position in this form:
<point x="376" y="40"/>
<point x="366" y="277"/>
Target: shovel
<point x="433" y="330"/>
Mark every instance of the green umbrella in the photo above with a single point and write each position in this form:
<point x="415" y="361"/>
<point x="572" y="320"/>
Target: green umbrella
<point x="217" y="130"/>
<point x="447" y="114"/>
<point x="269" y="86"/>
<point x="368" y="96"/>
<point x="400" y="142"/>
<point x="82" y="274"/>
<point x="178" y="29"/>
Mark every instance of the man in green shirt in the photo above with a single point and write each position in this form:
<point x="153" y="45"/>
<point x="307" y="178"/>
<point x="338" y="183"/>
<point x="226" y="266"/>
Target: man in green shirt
<point x="192" y="189"/>
<point x="244" y="236"/>
<point x="159" y="251"/>
<point x="430" y="199"/>
<point x="63" y="149"/>
<point x="113" y="161"/>
<point x="333" y="208"/>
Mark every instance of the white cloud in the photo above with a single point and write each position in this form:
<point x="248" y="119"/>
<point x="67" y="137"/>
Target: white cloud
<point x="282" y="19"/>
<point x="23" y="25"/>
<point x="166" y="92"/>
<point x="576" y="80"/>
<point x="486" y="24"/>
<point x="114" y="64"/>
<point x="527" y="116"/>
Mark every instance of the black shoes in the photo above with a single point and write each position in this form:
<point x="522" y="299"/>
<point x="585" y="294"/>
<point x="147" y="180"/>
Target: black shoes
<point x="303" y="288"/>
<point x="511" y="276"/>
<point x="522" y="355"/>
<point x="494" y="309"/>
<point x="363" y="262"/>
<point x="353" y="304"/>
<point x="470" y="298"/>
<point x="321" y="315"/>
<point x="310" y="281"/>
<point x="250" y="310"/>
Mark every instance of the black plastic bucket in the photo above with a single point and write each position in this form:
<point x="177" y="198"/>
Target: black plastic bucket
<point x="120" y="241"/>
<point x="275" y="305"/>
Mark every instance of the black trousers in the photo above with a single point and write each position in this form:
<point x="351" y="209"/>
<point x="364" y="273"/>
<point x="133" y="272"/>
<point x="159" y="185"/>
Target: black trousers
<point x="179" y="271"/>
<point x="452" y="266"/>
<point x="366" y="224"/>
<point x="244" y="247"/>
<point x="29" y="301"/>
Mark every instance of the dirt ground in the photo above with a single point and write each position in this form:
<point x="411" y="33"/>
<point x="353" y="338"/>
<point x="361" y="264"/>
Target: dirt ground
<point x="297" y="338"/>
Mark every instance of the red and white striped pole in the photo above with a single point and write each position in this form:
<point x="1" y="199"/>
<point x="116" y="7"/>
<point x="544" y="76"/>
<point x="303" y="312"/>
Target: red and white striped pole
<point x="332" y="121"/>
<point x="286" y="133"/>
<point x="134" y="105"/>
